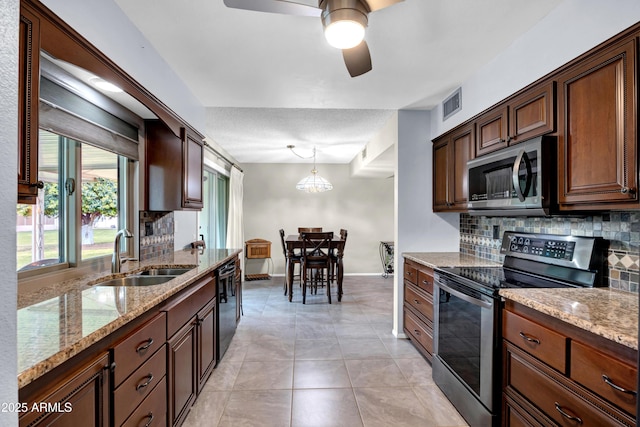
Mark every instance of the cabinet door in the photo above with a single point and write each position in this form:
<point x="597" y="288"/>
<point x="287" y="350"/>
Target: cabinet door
<point x="82" y="399"/>
<point x="597" y="134"/>
<point x="532" y="113"/>
<point x="441" y="175"/>
<point x="462" y="150"/>
<point x="238" y="284"/>
<point x="164" y="163"/>
<point x="29" y="84"/>
<point x="492" y="131"/>
<point x="206" y="342"/>
<point x="182" y="372"/>
<point x="192" y="179"/>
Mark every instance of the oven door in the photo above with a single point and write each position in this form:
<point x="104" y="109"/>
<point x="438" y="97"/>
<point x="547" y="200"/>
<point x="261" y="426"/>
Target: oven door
<point x="465" y="362"/>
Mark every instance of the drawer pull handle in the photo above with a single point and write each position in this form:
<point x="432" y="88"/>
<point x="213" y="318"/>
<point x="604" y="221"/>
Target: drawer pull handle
<point x="567" y="416"/>
<point x="150" y="416"/>
<point x="614" y="386"/>
<point x="417" y="332"/>
<point x="144" y="346"/>
<point x="416" y="301"/>
<point x="426" y="282"/>
<point x="146" y="383"/>
<point x="528" y="338"/>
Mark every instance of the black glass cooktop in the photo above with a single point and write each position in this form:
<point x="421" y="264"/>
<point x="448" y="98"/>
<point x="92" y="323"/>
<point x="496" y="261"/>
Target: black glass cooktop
<point x="495" y="278"/>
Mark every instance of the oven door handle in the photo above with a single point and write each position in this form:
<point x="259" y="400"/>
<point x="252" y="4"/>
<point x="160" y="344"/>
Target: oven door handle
<point x="522" y="195"/>
<point x="465" y="297"/>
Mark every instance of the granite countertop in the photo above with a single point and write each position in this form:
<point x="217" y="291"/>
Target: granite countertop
<point x="62" y="319"/>
<point x="448" y="259"/>
<point x="610" y="313"/>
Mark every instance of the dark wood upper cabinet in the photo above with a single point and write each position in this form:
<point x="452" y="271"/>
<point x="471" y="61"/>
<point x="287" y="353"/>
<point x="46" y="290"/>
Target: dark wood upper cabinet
<point x="525" y="116"/>
<point x="532" y="113"/>
<point x="28" y="94"/>
<point x="598" y="155"/>
<point x="173" y="168"/>
<point x="451" y="152"/>
<point x="193" y="173"/>
<point x="492" y="130"/>
<point x="440" y="174"/>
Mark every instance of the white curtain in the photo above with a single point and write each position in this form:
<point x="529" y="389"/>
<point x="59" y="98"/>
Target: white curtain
<point x="235" y="225"/>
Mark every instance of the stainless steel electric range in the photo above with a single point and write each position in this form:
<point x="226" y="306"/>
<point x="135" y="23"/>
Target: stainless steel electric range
<point x="467" y="362"/>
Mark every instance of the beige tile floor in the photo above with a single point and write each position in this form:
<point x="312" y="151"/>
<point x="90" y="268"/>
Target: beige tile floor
<point x="321" y="365"/>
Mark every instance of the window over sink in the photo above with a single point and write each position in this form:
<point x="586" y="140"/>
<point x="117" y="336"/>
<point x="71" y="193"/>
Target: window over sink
<point x="82" y="204"/>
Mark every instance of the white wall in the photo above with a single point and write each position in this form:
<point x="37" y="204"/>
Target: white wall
<point x="103" y="23"/>
<point x="418" y="229"/>
<point x="363" y="206"/>
<point x="568" y="31"/>
<point x="185" y="225"/>
<point x="9" y="19"/>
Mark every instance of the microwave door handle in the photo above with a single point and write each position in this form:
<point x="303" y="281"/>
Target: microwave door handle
<point x="515" y="177"/>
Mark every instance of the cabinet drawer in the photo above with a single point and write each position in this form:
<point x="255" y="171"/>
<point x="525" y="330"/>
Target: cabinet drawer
<point x="153" y="410"/>
<point x="134" y="350"/>
<point x="589" y="366"/>
<point x="425" y="279"/>
<point x="139" y="385"/>
<point x="419" y="300"/>
<point x="410" y="273"/>
<point x="555" y="396"/>
<point x="541" y="342"/>
<point x="180" y="311"/>
<point x="418" y="331"/>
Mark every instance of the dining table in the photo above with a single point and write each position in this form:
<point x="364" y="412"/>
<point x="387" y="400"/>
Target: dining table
<point x="294" y="241"/>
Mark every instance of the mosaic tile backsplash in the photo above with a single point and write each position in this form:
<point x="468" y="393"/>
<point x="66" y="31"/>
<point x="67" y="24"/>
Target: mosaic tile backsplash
<point x="620" y="229"/>
<point x="156" y="234"/>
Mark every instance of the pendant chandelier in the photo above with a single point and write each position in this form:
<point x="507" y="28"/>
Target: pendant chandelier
<point x="313" y="183"/>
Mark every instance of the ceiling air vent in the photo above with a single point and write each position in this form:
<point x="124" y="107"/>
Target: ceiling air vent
<point x="452" y="104"/>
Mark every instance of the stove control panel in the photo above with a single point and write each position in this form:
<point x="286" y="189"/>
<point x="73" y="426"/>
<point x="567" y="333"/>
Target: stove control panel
<point x="542" y="247"/>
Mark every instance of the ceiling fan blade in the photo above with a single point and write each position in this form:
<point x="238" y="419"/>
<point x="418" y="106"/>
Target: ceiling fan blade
<point x="357" y="59"/>
<point x="275" y="6"/>
<point x="380" y="4"/>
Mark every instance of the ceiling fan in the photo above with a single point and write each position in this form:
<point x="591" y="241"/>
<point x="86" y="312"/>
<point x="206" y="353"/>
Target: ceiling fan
<point x="344" y="23"/>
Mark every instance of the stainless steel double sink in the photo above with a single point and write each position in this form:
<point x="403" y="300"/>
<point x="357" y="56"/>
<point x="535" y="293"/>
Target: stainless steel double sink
<point x="154" y="276"/>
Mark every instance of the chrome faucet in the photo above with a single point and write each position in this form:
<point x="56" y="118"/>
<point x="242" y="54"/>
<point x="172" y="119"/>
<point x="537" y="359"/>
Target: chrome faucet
<point x="115" y="260"/>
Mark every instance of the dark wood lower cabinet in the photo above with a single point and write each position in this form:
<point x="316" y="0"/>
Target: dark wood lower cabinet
<point x="182" y="372"/>
<point x="558" y="375"/>
<point x="206" y="330"/>
<point x="147" y="373"/>
<point x="80" y="399"/>
<point x="153" y="411"/>
<point x="418" y="306"/>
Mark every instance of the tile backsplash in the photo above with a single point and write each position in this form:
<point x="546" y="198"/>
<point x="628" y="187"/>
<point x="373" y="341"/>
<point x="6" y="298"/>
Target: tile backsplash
<point x="156" y="234"/>
<point x="620" y="229"/>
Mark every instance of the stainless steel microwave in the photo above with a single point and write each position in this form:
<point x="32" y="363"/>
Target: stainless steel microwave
<point x="516" y="181"/>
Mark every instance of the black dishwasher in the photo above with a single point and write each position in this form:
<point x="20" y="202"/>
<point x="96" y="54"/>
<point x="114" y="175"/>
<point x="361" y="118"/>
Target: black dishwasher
<point x="226" y="306"/>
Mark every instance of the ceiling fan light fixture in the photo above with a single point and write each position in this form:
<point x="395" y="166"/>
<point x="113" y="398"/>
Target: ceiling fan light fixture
<point x="344" y="28"/>
<point x="344" y="34"/>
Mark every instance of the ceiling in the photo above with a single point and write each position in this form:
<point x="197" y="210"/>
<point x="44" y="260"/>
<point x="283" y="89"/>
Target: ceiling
<point x="270" y="80"/>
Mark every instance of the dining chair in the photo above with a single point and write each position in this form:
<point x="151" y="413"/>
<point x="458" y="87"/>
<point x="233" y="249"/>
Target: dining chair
<point x="334" y="256"/>
<point x="296" y="258"/>
<point x="309" y="229"/>
<point x="316" y="258"/>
